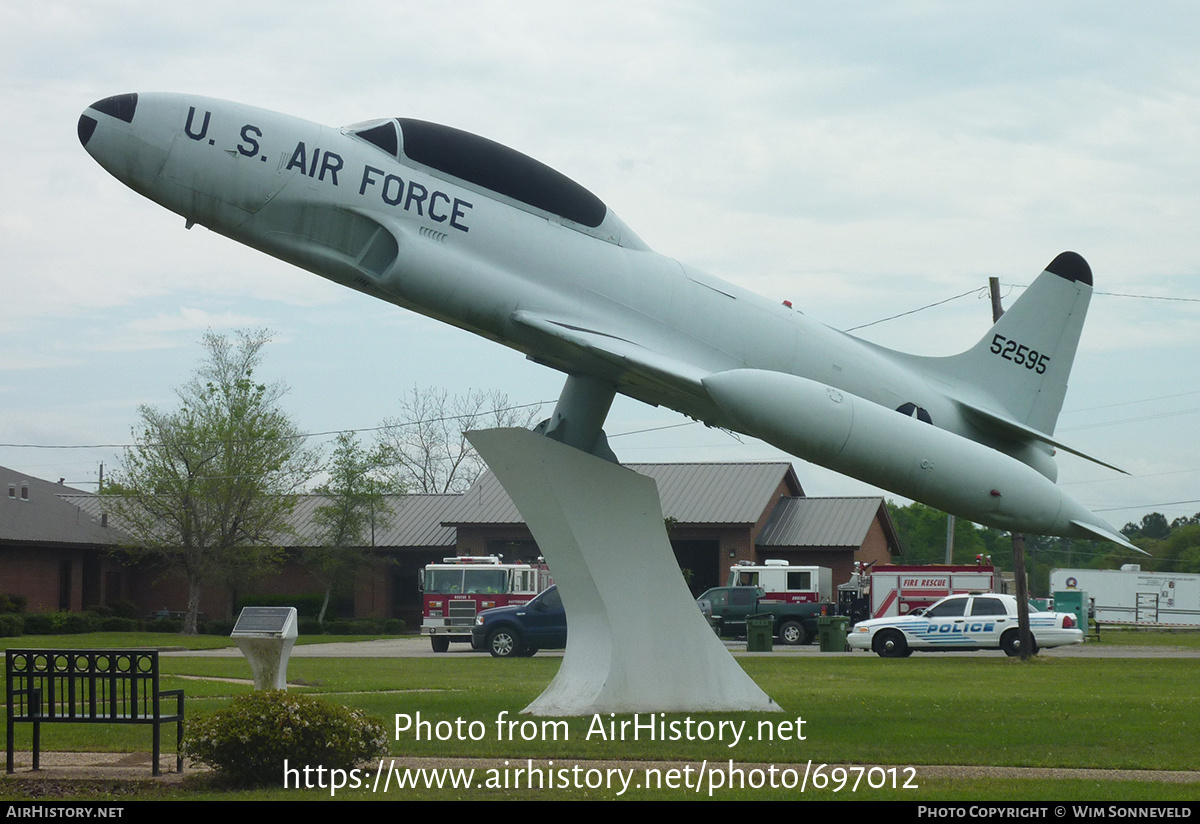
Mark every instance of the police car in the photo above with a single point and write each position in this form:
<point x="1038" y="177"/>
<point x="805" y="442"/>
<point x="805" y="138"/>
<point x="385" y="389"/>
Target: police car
<point x="964" y="622"/>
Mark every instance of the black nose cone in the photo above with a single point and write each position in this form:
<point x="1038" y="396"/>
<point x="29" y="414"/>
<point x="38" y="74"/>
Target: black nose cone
<point x="122" y="106"/>
<point x="87" y="125"/>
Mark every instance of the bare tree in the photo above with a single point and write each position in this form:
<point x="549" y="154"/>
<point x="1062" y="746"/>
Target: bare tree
<point x="426" y="443"/>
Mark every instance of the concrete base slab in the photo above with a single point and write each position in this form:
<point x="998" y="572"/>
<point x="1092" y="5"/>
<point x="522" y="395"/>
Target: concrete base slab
<point x="636" y="641"/>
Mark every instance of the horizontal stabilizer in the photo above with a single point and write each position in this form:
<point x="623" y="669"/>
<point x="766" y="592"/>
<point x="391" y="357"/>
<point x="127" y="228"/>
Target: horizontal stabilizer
<point x="1012" y="428"/>
<point x="1100" y="533"/>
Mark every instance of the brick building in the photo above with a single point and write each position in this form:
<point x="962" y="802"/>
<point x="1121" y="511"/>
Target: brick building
<point x="55" y="541"/>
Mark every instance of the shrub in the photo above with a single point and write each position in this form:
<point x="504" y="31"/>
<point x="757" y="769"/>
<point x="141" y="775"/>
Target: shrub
<point x="120" y="625"/>
<point x="307" y="606"/>
<point x="309" y="626"/>
<point x="60" y="623"/>
<point x="11" y="626"/>
<point x="174" y="625"/>
<point x="125" y="609"/>
<point x="217" y="627"/>
<point x="13" y="603"/>
<point x="39" y="623"/>
<point x="249" y="741"/>
<point x="355" y="626"/>
<point x="352" y="626"/>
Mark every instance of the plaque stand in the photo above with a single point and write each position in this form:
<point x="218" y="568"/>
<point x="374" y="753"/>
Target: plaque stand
<point x="266" y="635"/>
<point x="636" y="641"/>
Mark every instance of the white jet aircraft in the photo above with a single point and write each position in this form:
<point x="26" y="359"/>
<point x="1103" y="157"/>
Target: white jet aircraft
<point x="473" y="233"/>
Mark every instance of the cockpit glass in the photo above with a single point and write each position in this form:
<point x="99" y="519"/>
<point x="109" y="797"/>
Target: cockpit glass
<point x="485" y="163"/>
<point x="382" y="135"/>
<point x="500" y="169"/>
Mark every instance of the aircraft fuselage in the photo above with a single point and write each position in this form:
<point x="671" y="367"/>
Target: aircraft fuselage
<point x="473" y="234"/>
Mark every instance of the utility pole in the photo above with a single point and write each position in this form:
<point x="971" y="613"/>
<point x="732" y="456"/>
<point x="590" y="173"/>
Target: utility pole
<point x="1026" y="639"/>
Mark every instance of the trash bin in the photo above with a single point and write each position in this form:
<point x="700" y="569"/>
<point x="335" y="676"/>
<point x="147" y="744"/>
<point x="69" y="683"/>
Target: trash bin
<point x="758" y="633"/>
<point x="831" y="630"/>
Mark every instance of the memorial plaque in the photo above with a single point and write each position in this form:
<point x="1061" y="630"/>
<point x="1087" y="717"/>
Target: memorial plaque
<point x="258" y="622"/>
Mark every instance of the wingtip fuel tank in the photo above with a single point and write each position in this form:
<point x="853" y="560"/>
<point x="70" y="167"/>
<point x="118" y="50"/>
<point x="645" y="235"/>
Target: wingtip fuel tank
<point x="473" y="233"/>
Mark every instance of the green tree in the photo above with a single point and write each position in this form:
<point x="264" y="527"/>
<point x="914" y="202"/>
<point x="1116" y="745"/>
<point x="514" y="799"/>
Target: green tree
<point x="206" y="489"/>
<point x="1177" y="552"/>
<point x="354" y="493"/>
<point x="1154" y="525"/>
<point x="922" y="532"/>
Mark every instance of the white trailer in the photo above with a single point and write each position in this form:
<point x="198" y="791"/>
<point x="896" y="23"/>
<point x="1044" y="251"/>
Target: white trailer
<point x="1130" y="596"/>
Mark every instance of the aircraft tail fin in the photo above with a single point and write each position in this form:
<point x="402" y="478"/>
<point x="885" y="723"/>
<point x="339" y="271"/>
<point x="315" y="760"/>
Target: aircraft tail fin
<point x="1022" y="364"/>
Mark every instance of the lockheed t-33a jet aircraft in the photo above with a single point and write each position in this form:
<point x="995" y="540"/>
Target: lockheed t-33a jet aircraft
<point x="473" y="233"/>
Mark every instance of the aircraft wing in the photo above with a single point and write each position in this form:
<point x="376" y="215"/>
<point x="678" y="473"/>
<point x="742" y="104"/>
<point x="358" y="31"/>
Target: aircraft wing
<point x="628" y="362"/>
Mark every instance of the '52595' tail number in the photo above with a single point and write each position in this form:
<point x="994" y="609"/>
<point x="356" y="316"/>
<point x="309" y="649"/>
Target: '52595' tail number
<point x="1019" y="354"/>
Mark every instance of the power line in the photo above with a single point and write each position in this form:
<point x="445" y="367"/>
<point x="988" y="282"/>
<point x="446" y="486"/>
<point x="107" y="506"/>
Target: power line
<point x="1016" y="286"/>
<point x="303" y="435"/>
<point x="1145" y="506"/>
<point x="1130" y="420"/>
<point x="1130" y="403"/>
<point x="914" y="311"/>
<point x="653" y="429"/>
<point x="1147" y="297"/>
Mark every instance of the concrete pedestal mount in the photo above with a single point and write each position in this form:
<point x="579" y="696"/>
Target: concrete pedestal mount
<point x="266" y="635"/>
<point x="268" y="660"/>
<point x="636" y="641"/>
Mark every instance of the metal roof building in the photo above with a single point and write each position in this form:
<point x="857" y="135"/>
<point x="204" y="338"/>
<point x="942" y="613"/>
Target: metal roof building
<point x="54" y="539"/>
<point x="718" y="514"/>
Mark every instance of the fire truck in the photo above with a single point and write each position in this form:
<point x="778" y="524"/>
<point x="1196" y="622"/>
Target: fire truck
<point x="458" y="588"/>
<point x="784" y="583"/>
<point x="888" y="590"/>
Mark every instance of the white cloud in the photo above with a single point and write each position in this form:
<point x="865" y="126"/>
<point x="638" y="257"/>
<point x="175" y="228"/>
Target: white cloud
<point x="859" y="160"/>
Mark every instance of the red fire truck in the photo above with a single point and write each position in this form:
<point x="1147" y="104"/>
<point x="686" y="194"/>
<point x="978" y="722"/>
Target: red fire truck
<point x="458" y="588"/>
<point x="883" y="591"/>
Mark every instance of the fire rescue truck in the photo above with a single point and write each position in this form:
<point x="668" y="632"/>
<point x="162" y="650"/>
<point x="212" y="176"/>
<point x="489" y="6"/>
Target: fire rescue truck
<point x="885" y="591"/>
<point x="783" y="583"/>
<point x="459" y="588"/>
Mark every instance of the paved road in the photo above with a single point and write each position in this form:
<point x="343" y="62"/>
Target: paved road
<point x="418" y="647"/>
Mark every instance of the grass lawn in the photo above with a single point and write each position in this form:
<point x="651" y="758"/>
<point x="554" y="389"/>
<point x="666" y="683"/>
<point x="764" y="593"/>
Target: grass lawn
<point x="1185" y="638"/>
<point x="157" y="640"/>
<point x="1127" y="714"/>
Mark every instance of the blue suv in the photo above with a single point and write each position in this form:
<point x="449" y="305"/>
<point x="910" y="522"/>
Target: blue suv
<point x="520" y="631"/>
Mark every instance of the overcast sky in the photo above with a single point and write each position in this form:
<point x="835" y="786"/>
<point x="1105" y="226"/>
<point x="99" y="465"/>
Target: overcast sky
<point x="858" y="159"/>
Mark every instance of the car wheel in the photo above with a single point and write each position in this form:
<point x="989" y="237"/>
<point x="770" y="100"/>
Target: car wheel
<point x="792" y="633"/>
<point x="1010" y="642"/>
<point x="440" y="643"/>
<point x="891" y="644"/>
<point x="504" y="643"/>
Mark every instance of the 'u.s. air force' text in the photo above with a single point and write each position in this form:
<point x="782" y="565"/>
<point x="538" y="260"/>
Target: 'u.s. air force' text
<point x="323" y="165"/>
